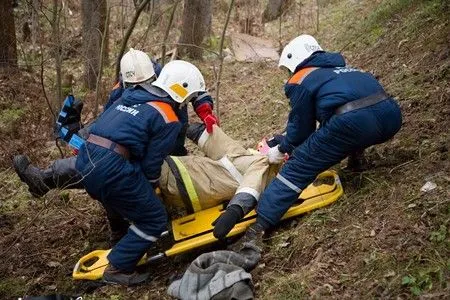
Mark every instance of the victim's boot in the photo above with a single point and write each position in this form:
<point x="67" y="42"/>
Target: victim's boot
<point x="226" y="221"/>
<point x="240" y="205"/>
<point x="39" y="181"/>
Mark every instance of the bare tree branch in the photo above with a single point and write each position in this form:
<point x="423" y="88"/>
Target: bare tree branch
<point x="166" y="34"/>
<point x="128" y="34"/>
<point x="43" y="85"/>
<point x="317" y="16"/>
<point x="100" y="68"/>
<point x="219" y="75"/>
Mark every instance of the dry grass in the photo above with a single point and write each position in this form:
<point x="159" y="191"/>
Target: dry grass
<point x="384" y="239"/>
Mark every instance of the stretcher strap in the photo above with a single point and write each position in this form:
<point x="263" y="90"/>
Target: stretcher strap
<point x="180" y="185"/>
<point x="193" y="197"/>
<point x="231" y="169"/>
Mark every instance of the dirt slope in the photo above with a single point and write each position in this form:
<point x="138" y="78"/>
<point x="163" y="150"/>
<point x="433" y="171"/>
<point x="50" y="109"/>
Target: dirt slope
<point x="384" y="239"/>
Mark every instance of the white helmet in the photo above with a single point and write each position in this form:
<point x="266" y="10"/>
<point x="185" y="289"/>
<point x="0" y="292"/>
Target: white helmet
<point x="180" y="79"/>
<point x="297" y="51"/>
<point x="136" y="66"/>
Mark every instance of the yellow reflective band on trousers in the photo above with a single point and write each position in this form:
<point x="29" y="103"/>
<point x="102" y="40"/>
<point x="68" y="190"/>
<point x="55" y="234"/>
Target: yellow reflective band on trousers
<point x="188" y="184"/>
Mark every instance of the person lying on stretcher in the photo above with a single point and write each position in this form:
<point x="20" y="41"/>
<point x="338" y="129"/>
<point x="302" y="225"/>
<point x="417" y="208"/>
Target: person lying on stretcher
<point x="227" y="172"/>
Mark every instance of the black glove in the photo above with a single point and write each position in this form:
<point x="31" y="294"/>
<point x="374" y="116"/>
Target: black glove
<point x="226" y="221"/>
<point x="275" y="140"/>
<point x="73" y="113"/>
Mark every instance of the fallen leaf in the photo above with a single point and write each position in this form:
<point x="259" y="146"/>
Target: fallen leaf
<point x="389" y="274"/>
<point x="284" y="245"/>
<point x="53" y="264"/>
<point x="428" y="186"/>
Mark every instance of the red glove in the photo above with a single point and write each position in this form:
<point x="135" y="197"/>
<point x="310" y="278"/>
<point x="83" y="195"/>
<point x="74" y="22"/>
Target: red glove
<point x="205" y="113"/>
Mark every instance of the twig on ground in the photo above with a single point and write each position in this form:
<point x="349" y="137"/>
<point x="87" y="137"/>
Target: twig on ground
<point x="401" y="165"/>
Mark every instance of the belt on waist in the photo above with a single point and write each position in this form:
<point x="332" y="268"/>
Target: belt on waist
<point x="108" y="144"/>
<point x="361" y="103"/>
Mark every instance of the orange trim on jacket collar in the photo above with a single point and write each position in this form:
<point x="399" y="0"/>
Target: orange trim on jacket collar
<point x="298" y="77"/>
<point x="165" y="110"/>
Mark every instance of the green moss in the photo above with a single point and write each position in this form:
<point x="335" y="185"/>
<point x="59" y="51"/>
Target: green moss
<point x="16" y="196"/>
<point x="9" y="118"/>
<point x="12" y="287"/>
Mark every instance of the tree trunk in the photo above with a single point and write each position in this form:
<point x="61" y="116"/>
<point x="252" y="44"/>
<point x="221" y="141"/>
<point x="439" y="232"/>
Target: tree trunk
<point x="8" y="51"/>
<point x="248" y="15"/>
<point x="93" y="17"/>
<point x="56" y="45"/>
<point x="196" y="24"/>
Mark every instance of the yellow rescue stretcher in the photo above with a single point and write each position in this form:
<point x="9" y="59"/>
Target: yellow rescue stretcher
<point x="195" y="230"/>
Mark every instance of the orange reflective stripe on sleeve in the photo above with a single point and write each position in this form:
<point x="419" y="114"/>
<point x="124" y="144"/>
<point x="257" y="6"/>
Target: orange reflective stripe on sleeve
<point x="298" y="77"/>
<point x="165" y="110"/>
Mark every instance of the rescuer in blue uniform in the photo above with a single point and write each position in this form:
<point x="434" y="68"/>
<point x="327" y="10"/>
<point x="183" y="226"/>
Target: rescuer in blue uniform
<point x="354" y="113"/>
<point x="203" y="107"/>
<point x="122" y="157"/>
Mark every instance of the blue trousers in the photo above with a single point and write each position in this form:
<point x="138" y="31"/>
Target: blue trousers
<point x="123" y="189"/>
<point x="338" y="138"/>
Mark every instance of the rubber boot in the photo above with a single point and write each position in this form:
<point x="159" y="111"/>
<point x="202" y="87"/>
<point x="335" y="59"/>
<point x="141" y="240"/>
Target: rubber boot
<point x="194" y="131"/>
<point x="39" y="181"/>
<point x="116" y="276"/>
<point x="226" y="221"/>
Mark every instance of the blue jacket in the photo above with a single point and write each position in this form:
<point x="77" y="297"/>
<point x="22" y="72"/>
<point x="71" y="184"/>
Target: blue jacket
<point x="145" y="124"/>
<point x="321" y="84"/>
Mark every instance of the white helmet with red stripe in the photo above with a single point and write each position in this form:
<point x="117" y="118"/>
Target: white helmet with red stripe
<point x="181" y="80"/>
<point x="297" y="51"/>
<point x="136" y="67"/>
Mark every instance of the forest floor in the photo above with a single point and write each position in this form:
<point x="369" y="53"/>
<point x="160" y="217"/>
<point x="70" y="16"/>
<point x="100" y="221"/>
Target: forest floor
<point x="385" y="238"/>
